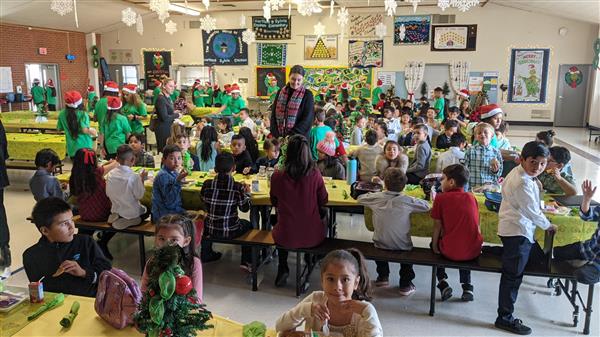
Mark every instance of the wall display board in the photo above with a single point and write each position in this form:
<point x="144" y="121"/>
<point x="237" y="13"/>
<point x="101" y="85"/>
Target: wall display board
<point x="157" y="63"/>
<point x="224" y="47"/>
<point x="487" y="81"/>
<point x="363" y="25"/>
<point x="528" y="75"/>
<point x="412" y="29"/>
<point x="271" y="54"/>
<point x="120" y="56"/>
<point x="357" y="79"/>
<point x="364" y="54"/>
<point x="263" y="82"/>
<point x="320" y="47"/>
<point x="454" y="38"/>
<point x="276" y="28"/>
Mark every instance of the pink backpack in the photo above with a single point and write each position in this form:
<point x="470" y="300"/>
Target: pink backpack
<point x="117" y="298"/>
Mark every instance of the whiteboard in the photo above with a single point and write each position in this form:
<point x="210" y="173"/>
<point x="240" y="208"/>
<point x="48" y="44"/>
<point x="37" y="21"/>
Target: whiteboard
<point x="6" y="83"/>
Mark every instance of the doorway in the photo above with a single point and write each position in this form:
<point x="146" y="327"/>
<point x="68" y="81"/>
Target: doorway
<point x="44" y="72"/>
<point x="572" y="94"/>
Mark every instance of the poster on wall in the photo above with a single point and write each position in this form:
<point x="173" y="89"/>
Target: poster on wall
<point x="454" y="38"/>
<point x="387" y="77"/>
<point x="363" y="25"/>
<point x="320" y="47"/>
<point x="156" y="64"/>
<point x="271" y="54"/>
<point x="120" y="56"/>
<point x="364" y="54"/>
<point x="487" y="81"/>
<point x="265" y="78"/>
<point x="276" y="28"/>
<point x="224" y="47"/>
<point x="528" y="75"/>
<point x="359" y="80"/>
<point x="412" y="29"/>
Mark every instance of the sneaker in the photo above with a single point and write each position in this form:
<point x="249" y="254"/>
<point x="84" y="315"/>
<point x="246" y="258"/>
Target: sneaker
<point x="382" y="281"/>
<point x="210" y="257"/>
<point x="516" y="326"/>
<point x="113" y="217"/>
<point x="467" y="295"/>
<point x="408" y="290"/>
<point x="247" y="267"/>
<point x="445" y="290"/>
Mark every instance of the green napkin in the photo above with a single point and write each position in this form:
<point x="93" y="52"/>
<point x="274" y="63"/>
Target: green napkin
<point x="254" y="329"/>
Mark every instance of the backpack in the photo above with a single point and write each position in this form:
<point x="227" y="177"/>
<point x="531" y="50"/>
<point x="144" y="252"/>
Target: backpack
<point x="117" y="298"/>
<point x="493" y="201"/>
<point x="360" y="187"/>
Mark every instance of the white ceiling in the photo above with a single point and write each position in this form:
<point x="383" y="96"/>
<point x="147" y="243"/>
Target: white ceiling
<point x="105" y="15"/>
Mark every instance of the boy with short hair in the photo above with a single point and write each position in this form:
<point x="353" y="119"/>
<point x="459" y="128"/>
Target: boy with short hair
<point x="69" y="263"/>
<point x="558" y="178"/>
<point x="366" y="155"/>
<point x="137" y="141"/>
<point x="125" y="189"/>
<point x="190" y="160"/>
<point x="271" y="147"/>
<point x="243" y="161"/>
<point x="454" y="155"/>
<point x="520" y="213"/>
<point x="438" y="103"/>
<point x="247" y="121"/>
<point x="482" y="159"/>
<point x="166" y="188"/>
<point x="419" y="166"/>
<point x="443" y="140"/>
<point x="223" y="196"/>
<point x="356" y="137"/>
<point x="391" y="222"/>
<point x="456" y="233"/>
<point x="43" y="184"/>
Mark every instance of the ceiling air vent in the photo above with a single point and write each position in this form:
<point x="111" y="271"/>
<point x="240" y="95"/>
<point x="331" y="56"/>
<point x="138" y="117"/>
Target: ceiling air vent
<point x="195" y="24"/>
<point x="442" y="19"/>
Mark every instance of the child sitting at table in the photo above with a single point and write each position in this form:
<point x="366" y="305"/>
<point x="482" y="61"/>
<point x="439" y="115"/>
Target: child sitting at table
<point x="125" y="189"/>
<point x="419" y="165"/>
<point x="456" y="233"/>
<point x="69" y="263"/>
<point x="180" y="230"/>
<point x="166" y="188"/>
<point x="271" y="147"/>
<point x="366" y="155"/>
<point x="247" y="121"/>
<point x="43" y="184"/>
<point x="546" y="137"/>
<point x="392" y="157"/>
<point x="558" y="178"/>
<point x="342" y="307"/>
<point x="225" y="131"/>
<point x="391" y="221"/>
<point x="243" y="161"/>
<point x="190" y="160"/>
<point x="356" y="137"/>
<point x="502" y="142"/>
<point x="251" y="143"/>
<point x="207" y="148"/>
<point x="137" y="142"/>
<point x="454" y="155"/>
<point x="222" y="197"/>
<point x="454" y="114"/>
<point x="328" y="164"/>
<point x="443" y="140"/>
<point x="482" y="159"/>
<point x="431" y="118"/>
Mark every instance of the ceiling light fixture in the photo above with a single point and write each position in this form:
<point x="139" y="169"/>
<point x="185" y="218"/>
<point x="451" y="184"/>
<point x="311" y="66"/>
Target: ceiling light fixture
<point x="183" y="10"/>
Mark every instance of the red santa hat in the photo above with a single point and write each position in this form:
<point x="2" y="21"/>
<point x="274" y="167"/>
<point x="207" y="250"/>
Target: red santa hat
<point x="130" y="88"/>
<point x="344" y="86"/>
<point x="331" y="87"/>
<point x="464" y="93"/>
<point x="379" y="82"/>
<point x="50" y="83"/>
<point x="197" y="81"/>
<point x="73" y="99"/>
<point x="111" y="86"/>
<point x="90" y="88"/>
<point x="235" y="89"/>
<point x="323" y="90"/>
<point x="216" y="86"/>
<point x="207" y="84"/>
<point x="489" y="110"/>
<point x="327" y="145"/>
<point x="157" y="83"/>
<point x="114" y="103"/>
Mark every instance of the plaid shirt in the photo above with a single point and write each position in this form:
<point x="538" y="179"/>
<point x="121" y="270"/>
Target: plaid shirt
<point x="222" y="197"/>
<point x="477" y="160"/>
<point x="144" y="159"/>
<point x="590" y="249"/>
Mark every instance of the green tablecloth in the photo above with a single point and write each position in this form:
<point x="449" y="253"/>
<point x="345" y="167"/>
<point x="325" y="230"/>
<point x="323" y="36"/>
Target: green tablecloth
<point x="24" y="146"/>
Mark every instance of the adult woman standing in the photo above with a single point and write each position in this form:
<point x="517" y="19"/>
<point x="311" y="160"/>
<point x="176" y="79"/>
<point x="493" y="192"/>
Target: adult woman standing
<point x="164" y="113"/>
<point x="292" y="111"/>
<point x="134" y="109"/>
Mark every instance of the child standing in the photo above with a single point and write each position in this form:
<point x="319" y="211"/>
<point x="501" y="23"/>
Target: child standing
<point x="178" y="230"/>
<point x="134" y="109"/>
<point x="142" y="158"/>
<point x="439" y="103"/>
<point x="116" y="128"/>
<point x="366" y="155"/>
<point x="392" y="157"/>
<point x="243" y="161"/>
<point x="75" y="259"/>
<point x="391" y="221"/>
<point x="356" y="138"/>
<point x="520" y="212"/>
<point x="419" y="166"/>
<point x="456" y="233"/>
<point x="444" y="139"/>
<point x="342" y="307"/>
<point x="43" y="184"/>
<point x="166" y="188"/>
<point x="482" y="159"/>
<point x="76" y="124"/>
<point x="454" y="155"/>
<point x="207" y="148"/>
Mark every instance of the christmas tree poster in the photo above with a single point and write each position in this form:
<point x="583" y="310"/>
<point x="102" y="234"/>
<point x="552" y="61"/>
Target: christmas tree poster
<point x="271" y="54"/>
<point x="320" y="47"/>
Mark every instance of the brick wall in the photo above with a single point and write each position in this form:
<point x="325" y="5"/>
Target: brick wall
<point x="19" y="46"/>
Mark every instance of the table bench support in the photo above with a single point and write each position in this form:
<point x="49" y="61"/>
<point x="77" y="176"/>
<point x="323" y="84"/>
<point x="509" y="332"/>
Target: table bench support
<point x="432" y="295"/>
<point x="142" y="247"/>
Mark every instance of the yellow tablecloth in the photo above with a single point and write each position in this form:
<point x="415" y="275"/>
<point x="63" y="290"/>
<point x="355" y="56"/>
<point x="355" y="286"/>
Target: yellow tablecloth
<point x="19" y="124"/>
<point x="197" y="112"/>
<point x="25" y="114"/>
<point x="88" y="323"/>
<point x="24" y="146"/>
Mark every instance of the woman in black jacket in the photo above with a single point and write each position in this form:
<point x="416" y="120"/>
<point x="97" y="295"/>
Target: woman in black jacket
<point x="292" y="110"/>
<point x="165" y="113"/>
<point x="4" y="233"/>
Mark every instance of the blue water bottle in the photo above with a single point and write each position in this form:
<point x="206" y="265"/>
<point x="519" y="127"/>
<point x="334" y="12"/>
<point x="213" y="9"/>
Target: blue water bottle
<point x="351" y="168"/>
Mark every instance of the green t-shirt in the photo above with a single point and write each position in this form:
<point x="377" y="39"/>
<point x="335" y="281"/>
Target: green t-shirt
<point x="272" y="92"/>
<point x="209" y="99"/>
<point x="174" y="95"/>
<point x="83" y="141"/>
<point x="38" y="94"/>
<point x="91" y="97"/>
<point x="226" y="102"/>
<point x="316" y="135"/>
<point x="439" y="106"/>
<point x="376" y="92"/>
<point x="136" y="125"/>
<point x="155" y="94"/>
<point x="365" y="93"/>
<point x="234" y="106"/>
<point x="115" y="132"/>
<point x="100" y="111"/>
<point x="51" y="99"/>
<point x="198" y="98"/>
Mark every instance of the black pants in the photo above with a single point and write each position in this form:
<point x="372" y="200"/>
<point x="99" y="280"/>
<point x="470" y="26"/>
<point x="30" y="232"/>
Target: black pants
<point x="283" y="257"/>
<point x="514" y="259"/>
<point x="413" y="179"/>
<point x="245" y="226"/>
<point x="465" y="275"/>
<point x="407" y="274"/>
<point x="4" y="233"/>
<point x="586" y="274"/>
<point x="51" y="107"/>
<point x="258" y="212"/>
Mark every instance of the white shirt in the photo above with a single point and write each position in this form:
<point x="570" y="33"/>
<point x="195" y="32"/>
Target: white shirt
<point x="453" y="156"/>
<point x="124" y="188"/>
<point x="394" y="128"/>
<point x="520" y="210"/>
<point x="249" y="123"/>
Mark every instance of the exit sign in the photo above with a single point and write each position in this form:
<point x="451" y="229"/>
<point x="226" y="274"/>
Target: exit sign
<point x="43" y="51"/>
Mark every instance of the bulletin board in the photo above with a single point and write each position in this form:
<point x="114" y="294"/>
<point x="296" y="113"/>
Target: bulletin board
<point x="484" y="80"/>
<point x="261" y="74"/>
<point x="357" y="78"/>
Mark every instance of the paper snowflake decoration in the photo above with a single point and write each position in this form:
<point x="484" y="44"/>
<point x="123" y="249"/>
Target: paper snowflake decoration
<point x="267" y="11"/>
<point x="160" y="7"/>
<point x="308" y="7"/>
<point x="128" y="16"/>
<point x="319" y="29"/>
<point x="171" y="27"/>
<point x="208" y="23"/>
<point x="62" y="7"/>
<point x="381" y="30"/>
<point x="342" y="16"/>
<point x="276" y="4"/>
<point x="464" y="5"/>
<point x="242" y="21"/>
<point x="443" y="4"/>
<point x="162" y="16"/>
<point x="331" y="8"/>
<point x="390" y="7"/>
<point x="206" y="3"/>
<point x="249" y="36"/>
<point x="139" y="25"/>
<point x="415" y="3"/>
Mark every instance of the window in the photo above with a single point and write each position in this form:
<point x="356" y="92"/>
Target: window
<point x="186" y="75"/>
<point x="130" y="75"/>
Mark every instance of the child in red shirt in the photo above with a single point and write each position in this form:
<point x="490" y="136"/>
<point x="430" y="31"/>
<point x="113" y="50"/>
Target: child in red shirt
<point x="456" y="233"/>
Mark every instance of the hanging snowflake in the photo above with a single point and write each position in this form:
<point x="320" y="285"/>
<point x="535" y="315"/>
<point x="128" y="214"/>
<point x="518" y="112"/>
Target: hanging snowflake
<point x="342" y="20"/>
<point x="308" y="7"/>
<point x="62" y="7"/>
<point x="249" y="36"/>
<point x="443" y="4"/>
<point x="381" y="30"/>
<point x="206" y="3"/>
<point x="390" y="7"/>
<point x="208" y="23"/>
<point x="464" y="5"/>
<point x="276" y="4"/>
<point x="242" y="21"/>
<point x="267" y="11"/>
<point x="171" y="27"/>
<point x="319" y="29"/>
<point x="160" y="7"/>
<point x="128" y="16"/>
<point x="162" y="16"/>
<point x="415" y="3"/>
<point x="139" y="25"/>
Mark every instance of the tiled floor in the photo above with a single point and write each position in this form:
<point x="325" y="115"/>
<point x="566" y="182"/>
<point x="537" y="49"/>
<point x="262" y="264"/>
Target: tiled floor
<point x="227" y="293"/>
